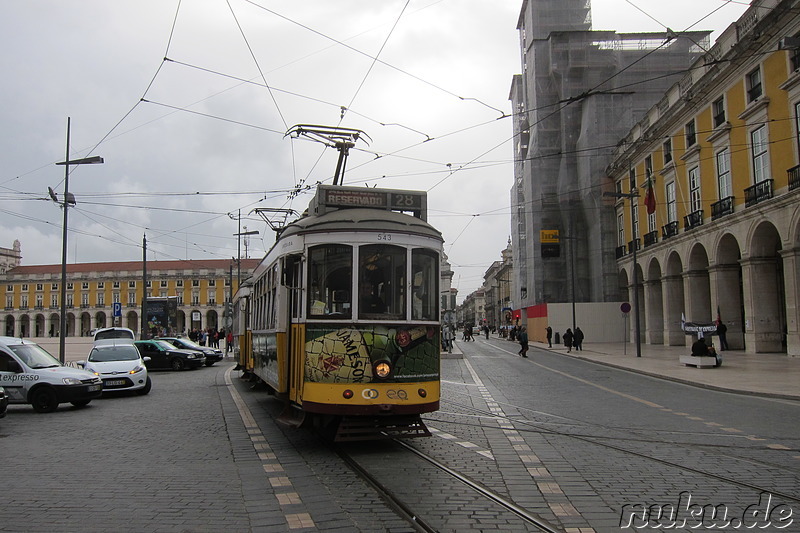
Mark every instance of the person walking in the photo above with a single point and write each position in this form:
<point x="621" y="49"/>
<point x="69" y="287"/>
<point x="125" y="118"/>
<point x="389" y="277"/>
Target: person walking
<point x="449" y="336"/>
<point x="722" y="331"/>
<point x="578" y="341"/>
<point x="568" y="338"/>
<point x="523" y="342"/>
<point x="549" y="331"/>
<point x="486" y="331"/>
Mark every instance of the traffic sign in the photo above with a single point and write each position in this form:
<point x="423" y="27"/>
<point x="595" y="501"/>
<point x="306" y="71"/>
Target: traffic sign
<point x="117" y="309"/>
<point x="625" y="308"/>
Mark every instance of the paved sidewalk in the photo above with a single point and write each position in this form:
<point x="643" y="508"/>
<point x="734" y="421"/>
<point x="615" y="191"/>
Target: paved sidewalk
<point x="765" y="374"/>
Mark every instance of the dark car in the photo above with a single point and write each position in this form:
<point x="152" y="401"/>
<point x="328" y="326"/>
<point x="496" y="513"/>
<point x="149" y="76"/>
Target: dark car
<point x="3" y="402"/>
<point x="212" y="354"/>
<point x="164" y="355"/>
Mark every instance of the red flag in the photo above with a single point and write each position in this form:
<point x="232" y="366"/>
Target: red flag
<point x="650" y="198"/>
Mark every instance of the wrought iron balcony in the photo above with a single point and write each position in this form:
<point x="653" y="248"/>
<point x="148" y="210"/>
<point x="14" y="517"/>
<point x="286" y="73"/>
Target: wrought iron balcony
<point x="650" y="238"/>
<point x="669" y="230"/>
<point x="692" y="220"/>
<point x="631" y="244"/>
<point x="794" y="177"/>
<point x="620" y="251"/>
<point x="722" y="208"/>
<point x="758" y="193"/>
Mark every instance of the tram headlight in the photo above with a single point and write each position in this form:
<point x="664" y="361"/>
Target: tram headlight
<point x="382" y="369"/>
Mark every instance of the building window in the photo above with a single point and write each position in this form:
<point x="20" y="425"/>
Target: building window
<point x="724" y="173"/>
<point x="84" y="300"/>
<point x="691" y="134"/>
<point x="9" y="288"/>
<point x="131" y="298"/>
<point x="39" y="301"/>
<point x="695" y="201"/>
<point x="116" y="285"/>
<point x="212" y="298"/>
<point x="85" y="285"/>
<point x="195" y="298"/>
<point x="797" y="123"/>
<point x="179" y="283"/>
<point x="632" y="178"/>
<point x="70" y="300"/>
<point x="115" y="298"/>
<point x="23" y="304"/>
<point x="163" y="294"/>
<point x="754" y="88"/>
<point x="101" y="284"/>
<point x="620" y="229"/>
<point x="9" y="302"/>
<point x="54" y="286"/>
<point x="212" y="283"/>
<point x="39" y="287"/>
<point x="180" y="299"/>
<point x="635" y="218"/>
<point x="195" y="283"/>
<point x="758" y="139"/>
<point x="718" y="110"/>
<point x="672" y="209"/>
<point x="101" y="299"/>
<point x="667" y="146"/>
<point x="148" y="284"/>
<point x="54" y="300"/>
<point x="70" y="286"/>
<point x="163" y="283"/>
<point x="131" y="284"/>
<point x="24" y="286"/>
<point x="651" y="222"/>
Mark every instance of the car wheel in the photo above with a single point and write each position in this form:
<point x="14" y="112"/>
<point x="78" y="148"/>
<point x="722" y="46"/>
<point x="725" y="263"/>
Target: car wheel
<point x="209" y="363"/>
<point x="81" y="403"/>
<point x="44" y="400"/>
<point x="147" y="386"/>
<point x="177" y="364"/>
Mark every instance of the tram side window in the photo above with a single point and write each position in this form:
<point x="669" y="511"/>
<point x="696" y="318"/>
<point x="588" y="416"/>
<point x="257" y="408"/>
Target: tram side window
<point x="381" y="279"/>
<point x="425" y="289"/>
<point x="330" y="271"/>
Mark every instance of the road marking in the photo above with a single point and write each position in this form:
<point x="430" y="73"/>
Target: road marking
<point x="283" y="485"/>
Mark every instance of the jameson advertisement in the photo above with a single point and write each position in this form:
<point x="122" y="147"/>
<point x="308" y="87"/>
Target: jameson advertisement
<point x="346" y="355"/>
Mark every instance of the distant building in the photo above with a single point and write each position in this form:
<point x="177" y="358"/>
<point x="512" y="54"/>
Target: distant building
<point x="721" y="153"/>
<point x="32" y="305"/>
<point x="497" y="287"/>
<point x="10" y="257"/>
<point x="579" y="93"/>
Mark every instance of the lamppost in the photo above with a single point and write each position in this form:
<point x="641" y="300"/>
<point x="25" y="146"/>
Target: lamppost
<point x="68" y="199"/>
<point x="636" y="331"/>
<point x="239" y="246"/>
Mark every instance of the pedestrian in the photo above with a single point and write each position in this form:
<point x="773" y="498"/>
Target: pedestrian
<point x="578" y="341"/>
<point x="700" y="348"/>
<point x="549" y="331"/>
<point x="722" y="331"/>
<point x="568" y="338"/>
<point x="448" y="335"/>
<point x="523" y="342"/>
<point x="229" y="342"/>
<point x="486" y="331"/>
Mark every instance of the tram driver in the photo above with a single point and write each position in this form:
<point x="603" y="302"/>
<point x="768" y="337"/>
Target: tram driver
<point x="370" y="301"/>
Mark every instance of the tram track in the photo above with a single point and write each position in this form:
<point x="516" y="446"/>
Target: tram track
<point x="594" y="440"/>
<point x="417" y="517"/>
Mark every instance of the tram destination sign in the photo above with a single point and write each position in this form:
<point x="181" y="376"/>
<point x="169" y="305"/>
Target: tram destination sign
<point x="337" y="197"/>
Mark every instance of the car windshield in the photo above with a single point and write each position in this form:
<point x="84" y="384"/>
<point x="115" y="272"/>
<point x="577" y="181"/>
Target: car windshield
<point x="34" y="356"/>
<point x="113" y="334"/>
<point x="114" y="353"/>
<point x="164" y="345"/>
<point x="188" y="343"/>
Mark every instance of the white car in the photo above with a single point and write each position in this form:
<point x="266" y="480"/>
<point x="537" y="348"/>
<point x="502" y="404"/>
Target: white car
<point x="120" y="366"/>
<point x="111" y="335"/>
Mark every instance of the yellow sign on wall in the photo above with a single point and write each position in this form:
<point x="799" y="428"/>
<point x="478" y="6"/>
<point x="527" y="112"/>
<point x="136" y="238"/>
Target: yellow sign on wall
<point x="549" y="236"/>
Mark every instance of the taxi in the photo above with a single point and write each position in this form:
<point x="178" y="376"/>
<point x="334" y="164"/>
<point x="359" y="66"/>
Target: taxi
<point x="30" y="375"/>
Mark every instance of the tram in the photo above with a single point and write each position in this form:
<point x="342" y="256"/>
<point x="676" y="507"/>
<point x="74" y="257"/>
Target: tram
<point x="340" y="319"/>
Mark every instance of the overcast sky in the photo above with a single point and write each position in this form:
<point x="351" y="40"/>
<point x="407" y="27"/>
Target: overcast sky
<point x="189" y="140"/>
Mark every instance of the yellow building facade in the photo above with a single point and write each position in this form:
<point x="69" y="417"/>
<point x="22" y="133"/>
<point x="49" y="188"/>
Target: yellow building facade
<point x="201" y="287"/>
<point x="721" y="153"/>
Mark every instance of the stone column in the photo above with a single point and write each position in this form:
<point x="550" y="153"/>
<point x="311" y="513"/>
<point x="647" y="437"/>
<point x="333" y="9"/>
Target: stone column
<point x="791" y="283"/>
<point x="654" y="312"/>
<point x="726" y="294"/>
<point x="673" y="301"/>
<point x="762" y="328"/>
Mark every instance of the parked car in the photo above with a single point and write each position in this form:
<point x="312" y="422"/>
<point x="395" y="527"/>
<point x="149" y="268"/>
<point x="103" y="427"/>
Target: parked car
<point x="106" y="335"/>
<point x="3" y="402"/>
<point x="120" y="366"/>
<point x="29" y="374"/>
<point x="212" y="354"/>
<point x="164" y="355"/>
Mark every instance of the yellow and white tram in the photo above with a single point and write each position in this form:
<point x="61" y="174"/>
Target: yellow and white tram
<point x="341" y="317"/>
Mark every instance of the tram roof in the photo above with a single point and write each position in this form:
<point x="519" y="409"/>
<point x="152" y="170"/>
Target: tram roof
<point x="366" y="219"/>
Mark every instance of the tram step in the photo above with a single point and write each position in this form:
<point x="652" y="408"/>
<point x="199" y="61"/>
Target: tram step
<point x="374" y="428"/>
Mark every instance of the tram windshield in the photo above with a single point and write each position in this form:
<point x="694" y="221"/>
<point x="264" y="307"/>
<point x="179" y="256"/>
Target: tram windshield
<point x="330" y="281"/>
<point x="381" y="279"/>
<point x="425" y="288"/>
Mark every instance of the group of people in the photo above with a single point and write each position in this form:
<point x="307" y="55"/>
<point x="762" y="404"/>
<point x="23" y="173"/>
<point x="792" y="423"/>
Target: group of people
<point x="571" y="338"/>
<point x="211" y="337"/>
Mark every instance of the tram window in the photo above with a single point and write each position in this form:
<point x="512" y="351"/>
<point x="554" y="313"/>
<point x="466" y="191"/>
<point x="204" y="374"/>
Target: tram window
<point x="425" y="289"/>
<point x="330" y="271"/>
<point x="381" y="279"/>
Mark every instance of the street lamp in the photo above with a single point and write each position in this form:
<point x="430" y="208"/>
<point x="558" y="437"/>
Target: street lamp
<point x="68" y="199"/>
<point x="631" y="195"/>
